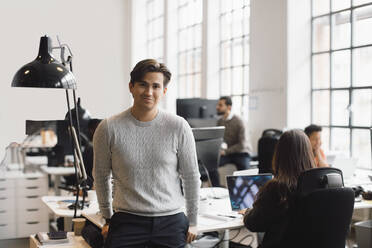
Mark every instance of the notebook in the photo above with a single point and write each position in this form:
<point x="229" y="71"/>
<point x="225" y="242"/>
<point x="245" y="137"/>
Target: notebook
<point x="243" y="189"/>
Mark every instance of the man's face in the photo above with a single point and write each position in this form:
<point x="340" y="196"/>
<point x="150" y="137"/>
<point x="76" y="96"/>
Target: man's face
<point x="315" y="140"/>
<point x="148" y="92"/>
<point x="221" y="107"/>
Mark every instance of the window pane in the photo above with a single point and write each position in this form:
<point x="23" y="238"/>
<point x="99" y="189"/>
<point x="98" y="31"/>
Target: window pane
<point x="226" y="54"/>
<point x="182" y="63"/>
<point x="321" y="107"/>
<point x="341" y="30"/>
<point x="341" y="69"/>
<point x="246" y="51"/>
<point x="226" y="82"/>
<point x="321" y="71"/>
<point x="246" y="15"/>
<point x="182" y="87"/>
<point x="359" y="2"/>
<point x="340" y="113"/>
<point x="320" y="7"/>
<point x="237" y="52"/>
<point x="226" y="26"/>
<point x="362" y="107"/>
<point x="237" y="80"/>
<point x="237" y="23"/>
<point x="237" y="105"/>
<point x="197" y="85"/>
<point x="362" y="147"/>
<point x="362" y="59"/>
<point x="321" y="34"/>
<point x="246" y="79"/>
<point x="325" y="138"/>
<point x="340" y="140"/>
<point x="198" y="58"/>
<point x="340" y="4"/>
<point x="245" y="107"/>
<point x="225" y="6"/>
<point x="363" y="26"/>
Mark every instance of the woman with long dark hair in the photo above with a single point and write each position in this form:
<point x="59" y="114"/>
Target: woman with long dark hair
<point x="271" y="210"/>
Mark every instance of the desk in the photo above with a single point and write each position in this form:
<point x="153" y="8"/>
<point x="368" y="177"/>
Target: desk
<point x="76" y="242"/>
<point x="57" y="172"/>
<point x="62" y="211"/>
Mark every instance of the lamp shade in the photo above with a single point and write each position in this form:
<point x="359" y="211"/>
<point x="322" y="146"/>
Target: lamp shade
<point x="45" y="71"/>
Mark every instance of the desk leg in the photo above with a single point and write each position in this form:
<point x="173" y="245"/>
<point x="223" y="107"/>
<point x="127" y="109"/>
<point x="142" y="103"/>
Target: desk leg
<point x="57" y="182"/>
<point x="67" y="222"/>
<point x="225" y="237"/>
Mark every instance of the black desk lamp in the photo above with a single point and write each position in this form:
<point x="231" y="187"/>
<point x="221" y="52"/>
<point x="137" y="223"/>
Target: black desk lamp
<point x="46" y="72"/>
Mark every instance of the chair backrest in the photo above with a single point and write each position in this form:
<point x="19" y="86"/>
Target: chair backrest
<point x="266" y="148"/>
<point x="323" y="209"/>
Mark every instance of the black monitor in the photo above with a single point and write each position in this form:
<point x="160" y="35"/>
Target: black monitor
<point x="196" y="108"/>
<point x="208" y="141"/>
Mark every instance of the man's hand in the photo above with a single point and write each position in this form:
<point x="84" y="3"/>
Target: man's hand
<point x="105" y="229"/>
<point x="244" y="211"/>
<point x="191" y="234"/>
<point x="222" y="152"/>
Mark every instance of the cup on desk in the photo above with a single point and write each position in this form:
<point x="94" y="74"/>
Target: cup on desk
<point x="92" y="196"/>
<point x="78" y="224"/>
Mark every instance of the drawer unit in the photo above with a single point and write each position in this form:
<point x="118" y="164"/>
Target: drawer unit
<point x="21" y="210"/>
<point x="8" y="230"/>
<point x="7" y="203"/>
<point x="7" y="192"/>
<point x="7" y="216"/>
<point x="26" y="228"/>
<point x="32" y="191"/>
<point x="7" y="183"/>
<point x="32" y="181"/>
<point x="29" y="214"/>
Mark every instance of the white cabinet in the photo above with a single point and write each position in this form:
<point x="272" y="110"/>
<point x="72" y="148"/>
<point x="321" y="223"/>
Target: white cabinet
<point x="21" y="210"/>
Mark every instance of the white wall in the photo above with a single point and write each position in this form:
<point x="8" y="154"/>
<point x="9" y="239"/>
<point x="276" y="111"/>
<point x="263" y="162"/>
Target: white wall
<point x="98" y="33"/>
<point x="279" y="65"/>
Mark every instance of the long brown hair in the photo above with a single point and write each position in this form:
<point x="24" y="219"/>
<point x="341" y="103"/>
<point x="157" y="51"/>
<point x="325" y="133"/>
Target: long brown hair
<point x="292" y="156"/>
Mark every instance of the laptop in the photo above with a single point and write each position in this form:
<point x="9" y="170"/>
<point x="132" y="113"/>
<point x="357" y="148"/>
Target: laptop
<point x="346" y="165"/>
<point x="243" y="189"/>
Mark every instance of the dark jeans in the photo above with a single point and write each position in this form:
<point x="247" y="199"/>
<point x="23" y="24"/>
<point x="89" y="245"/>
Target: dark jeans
<point x="241" y="161"/>
<point x="132" y="231"/>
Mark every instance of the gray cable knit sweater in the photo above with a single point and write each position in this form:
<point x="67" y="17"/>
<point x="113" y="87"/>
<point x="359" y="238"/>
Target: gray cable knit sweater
<point x="148" y="161"/>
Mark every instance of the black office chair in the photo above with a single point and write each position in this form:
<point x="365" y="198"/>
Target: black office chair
<point x="323" y="210"/>
<point x="266" y="148"/>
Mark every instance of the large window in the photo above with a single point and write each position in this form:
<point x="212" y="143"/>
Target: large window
<point x="342" y="75"/>
<point x="234" y="53"/>
<point x="190" y="17"/>
<point x="155" y="29"/>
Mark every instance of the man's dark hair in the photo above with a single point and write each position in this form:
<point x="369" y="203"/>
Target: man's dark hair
<point x="227" y="99"/>
<point x="149" y="65"/>
<point x="312" y="128"/>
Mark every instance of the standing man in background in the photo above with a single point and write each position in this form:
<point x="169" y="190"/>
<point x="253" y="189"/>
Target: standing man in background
<point x="314" y="132"/>
<point x="236" y="138"/>
<point x="149" y="153"/>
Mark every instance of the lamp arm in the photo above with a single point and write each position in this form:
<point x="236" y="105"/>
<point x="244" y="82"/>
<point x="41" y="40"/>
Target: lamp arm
<point x="79" y="155"/>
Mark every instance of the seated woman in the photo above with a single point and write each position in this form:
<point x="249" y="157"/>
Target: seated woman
<point x="271" y="210"/>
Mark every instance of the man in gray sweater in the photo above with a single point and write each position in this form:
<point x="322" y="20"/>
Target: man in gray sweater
<point x="236" y="138"/>
<point x="149" y="153"/>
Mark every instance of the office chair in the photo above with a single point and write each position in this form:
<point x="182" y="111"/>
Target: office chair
<point x="323" y="210"/>
<point x="266" y="148"/>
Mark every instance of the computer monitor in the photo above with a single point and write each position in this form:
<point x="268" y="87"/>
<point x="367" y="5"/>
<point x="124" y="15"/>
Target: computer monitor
<point x="208" y="141"/>
<point x="63" y="147"/>
<point x="196" y="108"/>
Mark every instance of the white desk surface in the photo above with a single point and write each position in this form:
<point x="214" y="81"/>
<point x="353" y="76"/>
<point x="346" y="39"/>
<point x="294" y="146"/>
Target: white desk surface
<point x="58" y="170"/>
<point x="62" y="210"/>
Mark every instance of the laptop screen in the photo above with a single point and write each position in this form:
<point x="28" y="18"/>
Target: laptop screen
<point x="243" y="189"/>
